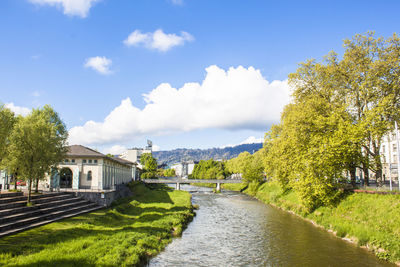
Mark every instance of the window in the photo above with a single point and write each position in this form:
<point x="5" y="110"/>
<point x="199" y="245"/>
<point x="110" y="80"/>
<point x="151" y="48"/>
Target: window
<point x="73" y="160"/>
<point x="394" y="158"/>
<point x="89" y="175"/>
<point x="66" y="161"/>
<point x="394" y="147"/>
<point x="383" y="149"/>
<point x="84" y="161"/>
<point x="95" y="161"/>
<point x="90" y="161"/>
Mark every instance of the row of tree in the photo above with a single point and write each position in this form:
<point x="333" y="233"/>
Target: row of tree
<point x="30" y="146"/>
<point x="340" y="111"/>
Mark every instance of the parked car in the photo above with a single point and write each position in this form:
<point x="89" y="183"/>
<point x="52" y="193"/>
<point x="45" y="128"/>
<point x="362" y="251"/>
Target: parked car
<point x="21" y="183"/>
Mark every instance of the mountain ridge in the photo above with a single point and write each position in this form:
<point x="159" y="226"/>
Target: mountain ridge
<point x="187" y="154"/>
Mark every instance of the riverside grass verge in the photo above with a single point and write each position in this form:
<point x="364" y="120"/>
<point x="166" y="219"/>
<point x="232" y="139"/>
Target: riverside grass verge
<point x="126" y="234"/>
<point x="371" y="221"/>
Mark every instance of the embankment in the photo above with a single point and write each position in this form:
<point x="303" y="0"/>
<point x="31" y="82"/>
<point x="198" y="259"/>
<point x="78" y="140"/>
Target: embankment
<point x="368" y="220"/>
<point x="127" y="234"/>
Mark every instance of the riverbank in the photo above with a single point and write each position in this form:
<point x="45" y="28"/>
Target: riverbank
<point x="129" y="233"/>
<point x="368" y="220"/>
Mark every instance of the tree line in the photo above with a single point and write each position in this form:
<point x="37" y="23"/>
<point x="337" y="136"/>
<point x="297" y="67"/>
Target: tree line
<point x="31" y="146"/>
<point x="341" y="109"/>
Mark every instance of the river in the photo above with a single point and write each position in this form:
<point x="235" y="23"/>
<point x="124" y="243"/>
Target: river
<point x="232" y="229"/>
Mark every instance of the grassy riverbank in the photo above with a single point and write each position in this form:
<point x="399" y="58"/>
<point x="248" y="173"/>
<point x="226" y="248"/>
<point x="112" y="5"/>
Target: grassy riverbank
<point x="369" y="220"/>
<point x="126" y="234"/>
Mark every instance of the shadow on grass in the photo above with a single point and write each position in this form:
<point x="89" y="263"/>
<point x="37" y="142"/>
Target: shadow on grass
<point x="60" y="263"/>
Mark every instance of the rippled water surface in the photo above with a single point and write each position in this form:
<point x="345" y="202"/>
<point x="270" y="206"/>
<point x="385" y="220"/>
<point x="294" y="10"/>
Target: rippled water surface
<point x="232" y="229"/>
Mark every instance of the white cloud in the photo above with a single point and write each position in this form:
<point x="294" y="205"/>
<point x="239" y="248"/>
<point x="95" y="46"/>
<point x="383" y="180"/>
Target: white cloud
<point x="249" y="140"/>
<point x="156" y="148"/>
<point x="158" y="40"/>
<point x="17" y="109"/>
<point x="99" y="64"/>
<point x="78" y="8"/>
<point x="239" y="98"/>
<point x="115" y="150"/>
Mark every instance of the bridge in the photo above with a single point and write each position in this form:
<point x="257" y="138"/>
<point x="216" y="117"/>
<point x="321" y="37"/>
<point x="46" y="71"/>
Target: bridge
<point x="178" y="182"/>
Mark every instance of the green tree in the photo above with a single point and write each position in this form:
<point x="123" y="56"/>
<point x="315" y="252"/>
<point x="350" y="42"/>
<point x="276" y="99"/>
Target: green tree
<point x="340" y="111"/>
<point x="149" y="164"/>
<point x="7" y="121"/>
<point x="37" y="143"/>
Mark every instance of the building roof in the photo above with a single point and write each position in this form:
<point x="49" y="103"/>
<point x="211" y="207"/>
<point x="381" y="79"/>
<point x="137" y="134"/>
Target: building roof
<point x="82" y="151"/>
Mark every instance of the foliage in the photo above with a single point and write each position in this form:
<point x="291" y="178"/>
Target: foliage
<point x="169" y="173"/>
<point x="37" y="143"/>
<point x="210" y="169"/>
<point x="127" y="234"/>
<point x="149" y="164"/>
<point x="7" y="121"/>
<point x="340" y="111"/>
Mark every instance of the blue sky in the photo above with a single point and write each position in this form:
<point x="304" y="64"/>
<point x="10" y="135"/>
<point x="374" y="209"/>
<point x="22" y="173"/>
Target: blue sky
<point x="76" y="55"/>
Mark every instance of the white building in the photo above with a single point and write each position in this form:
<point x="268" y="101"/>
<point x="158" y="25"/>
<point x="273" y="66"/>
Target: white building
<point x="85" y="168"/>
<point x="184" y="169"/>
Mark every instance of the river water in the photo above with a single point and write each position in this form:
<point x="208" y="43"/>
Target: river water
<point x="232" y="229"/>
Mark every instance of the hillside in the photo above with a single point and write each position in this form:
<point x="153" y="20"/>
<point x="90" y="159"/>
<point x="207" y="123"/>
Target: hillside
<point x="183" y="154"/>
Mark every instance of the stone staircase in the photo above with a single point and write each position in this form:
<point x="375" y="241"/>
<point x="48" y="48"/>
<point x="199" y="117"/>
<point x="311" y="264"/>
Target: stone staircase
<point x="16" y="217"/>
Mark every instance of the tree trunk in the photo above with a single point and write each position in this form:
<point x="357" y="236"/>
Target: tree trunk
<point x="29" y="190"/>
<point x="37" y="185"/>
<point x="366" y="175"/>
<point x="15" y="181"/>
<point x="353" y="176"/>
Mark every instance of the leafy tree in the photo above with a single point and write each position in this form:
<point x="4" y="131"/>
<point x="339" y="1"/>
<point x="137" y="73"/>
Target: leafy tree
<point x="7" y="121"/>
<point x="210" y="169"/>
<point x="340" y="111"/>
<point x="149" y="164"/>
<point x="37" y="143"/>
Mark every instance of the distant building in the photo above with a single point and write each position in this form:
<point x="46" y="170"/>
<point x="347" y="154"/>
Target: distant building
<point x="134" y="154"/>
<point x="184" y="169"/>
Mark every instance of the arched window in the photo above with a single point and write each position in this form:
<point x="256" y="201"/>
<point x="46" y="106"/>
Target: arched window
<point x="89" y="175"/>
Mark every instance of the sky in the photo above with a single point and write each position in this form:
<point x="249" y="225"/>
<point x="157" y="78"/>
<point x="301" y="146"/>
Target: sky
<point x="182" y="73"/>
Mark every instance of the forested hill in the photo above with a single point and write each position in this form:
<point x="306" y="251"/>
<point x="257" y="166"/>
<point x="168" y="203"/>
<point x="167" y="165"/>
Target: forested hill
<point x="183" y="154"/>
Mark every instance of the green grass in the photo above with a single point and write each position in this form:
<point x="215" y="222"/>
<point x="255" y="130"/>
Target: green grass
<point x="233" y="187"/>
<point x="371" y="220"/>
<point x="126" y="234"/>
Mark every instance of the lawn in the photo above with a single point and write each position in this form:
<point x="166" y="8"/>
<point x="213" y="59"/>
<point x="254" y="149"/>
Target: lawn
<point x="127" y="234"/>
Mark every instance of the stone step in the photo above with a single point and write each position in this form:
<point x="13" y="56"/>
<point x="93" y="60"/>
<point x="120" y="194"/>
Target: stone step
<point x="11" y="194"/>
<point x="39" y="199"/>
<point x="5" y="227"/>
<point x="12" y="199"/>
<point x="24" y="208"/>
<point x="39" y="211"/>
<point x="43" y="222"/>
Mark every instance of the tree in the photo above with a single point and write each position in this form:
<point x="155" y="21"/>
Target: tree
<point x="7" y="121"/>
<point x="340" y="111"/>
<point x="149" y="164"/>
<point x="37" y="143"/>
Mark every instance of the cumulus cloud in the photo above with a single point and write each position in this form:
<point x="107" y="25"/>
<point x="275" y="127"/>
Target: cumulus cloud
<point x="17" y="109"/>
<point x="157" y="40"/>
<point x="115" y="150"/>
<point x="99" y="64"/>
<point x="239" y="98"/>
<point x="78" y="8"/>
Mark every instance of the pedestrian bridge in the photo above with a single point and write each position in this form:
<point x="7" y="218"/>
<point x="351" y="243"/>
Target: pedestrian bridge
<point x="178" y="182"/>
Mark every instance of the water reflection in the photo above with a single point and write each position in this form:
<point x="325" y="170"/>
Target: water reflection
<point x="232" y="229"/>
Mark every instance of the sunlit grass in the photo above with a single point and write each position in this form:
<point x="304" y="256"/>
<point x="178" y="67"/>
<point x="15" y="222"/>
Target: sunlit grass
<point x="126" y="234"/>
